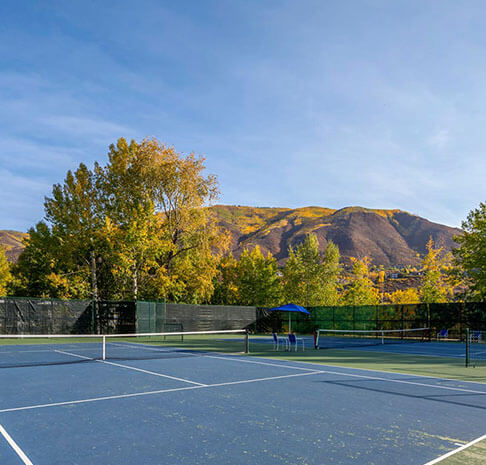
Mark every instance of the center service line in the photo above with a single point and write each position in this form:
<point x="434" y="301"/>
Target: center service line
<point x="15" y="447"/>
<point x="151" y="393"/>
<point x="153" y="373"/>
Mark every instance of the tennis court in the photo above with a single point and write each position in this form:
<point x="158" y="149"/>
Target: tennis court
<point x="143" y="402"/>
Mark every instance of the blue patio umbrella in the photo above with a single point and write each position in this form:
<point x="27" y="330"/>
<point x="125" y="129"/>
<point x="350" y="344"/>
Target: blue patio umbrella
<point x="289" y="308"/>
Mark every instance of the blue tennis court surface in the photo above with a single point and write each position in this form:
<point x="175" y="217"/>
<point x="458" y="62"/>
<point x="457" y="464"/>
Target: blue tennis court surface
<point x="229" y="409"/>
<point x="433" y="349"/>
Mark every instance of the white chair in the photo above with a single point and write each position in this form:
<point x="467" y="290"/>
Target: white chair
<point x="277" y="340"/>
<point x="442" y="334"/>
<point x="294" y="341"/>
<point x="476" y="336"/>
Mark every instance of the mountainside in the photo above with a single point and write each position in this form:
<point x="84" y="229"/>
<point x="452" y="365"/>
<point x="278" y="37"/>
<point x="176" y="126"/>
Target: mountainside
<point x="12" y="243"/>
<point x="389" y="237"/>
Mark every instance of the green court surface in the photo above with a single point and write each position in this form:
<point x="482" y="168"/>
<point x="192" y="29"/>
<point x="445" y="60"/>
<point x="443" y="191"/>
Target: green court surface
<point x="473" y="455"/>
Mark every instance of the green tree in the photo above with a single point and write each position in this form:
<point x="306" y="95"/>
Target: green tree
<point x="435" y="286"/>
<point x="225" y="282"/>
<point x="361" y="290"/>
<point x="309" y="279"/>
<point x="470" y="256"/>
<point x="137" y="227"/>
<point x="330" y="275"/>
<point x="190" y="241"/>
<point x="132" y="228"/>
<point x="5" y="275"/>
<point x="257" y="279"/>
<point x="59" y="259"/>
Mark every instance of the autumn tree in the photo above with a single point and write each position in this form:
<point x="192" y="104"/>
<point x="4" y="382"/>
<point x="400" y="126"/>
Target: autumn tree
<point x="435" y="287"/>
<point x="257" y="279"/>
<point x="406" y="296"/>
<point x="137" y="227"/>
<point x="470" y="256"/>
<point x="132" y="228"/>
<point x="5" y="275"/>
<point x="226" y="282"/>
<point x="361" y="289"/>
<point x="190" y="241"/>
<point x="310" y="279"/>
<point x="59" y="259"/>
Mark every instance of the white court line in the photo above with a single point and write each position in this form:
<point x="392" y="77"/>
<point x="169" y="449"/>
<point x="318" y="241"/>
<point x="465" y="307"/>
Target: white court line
<point x="241" y="382"/>
<point x="391" y="380"/>
<point x="420" y="354"/>
<point x="148" y="393"/>
<point x="15" y="447"/>
<point x="370" y="377"/>
<point x="465" y="446"/>
<point x="133" y="368"/>
<point x="400" y="381"/>
<point x="152" y="373"/>
<point x="236" y="359"/>
<point x="435" y="378"/>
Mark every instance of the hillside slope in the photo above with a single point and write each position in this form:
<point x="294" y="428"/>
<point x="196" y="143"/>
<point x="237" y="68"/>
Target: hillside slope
<point x="12" y="243"/>
<point x="389" y="237"/>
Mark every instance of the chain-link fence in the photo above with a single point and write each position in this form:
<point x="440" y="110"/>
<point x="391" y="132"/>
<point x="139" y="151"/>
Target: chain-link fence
<point x="45" y="316"/>
<point x="454" y="317"/>
<point x="162" y="317"/>
<point x="53" y="316"/>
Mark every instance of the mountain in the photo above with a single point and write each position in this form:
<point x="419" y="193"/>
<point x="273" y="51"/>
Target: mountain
<point x="389" y="237"/>
<point x="12" y="243"/>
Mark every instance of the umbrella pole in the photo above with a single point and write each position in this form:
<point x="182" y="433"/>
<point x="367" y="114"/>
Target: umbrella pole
<point x="290" y="328"/>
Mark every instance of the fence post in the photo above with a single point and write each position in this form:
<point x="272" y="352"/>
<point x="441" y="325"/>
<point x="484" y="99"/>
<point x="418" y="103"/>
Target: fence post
<point x="468" y="340"/>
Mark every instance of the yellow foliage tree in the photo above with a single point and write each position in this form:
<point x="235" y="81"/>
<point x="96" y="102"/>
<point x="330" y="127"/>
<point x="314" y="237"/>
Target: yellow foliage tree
<point x="361" y="290"/>
<point x="407" y="296"/>
<point x="4" y="273"/>
<point x="435" y="287"/>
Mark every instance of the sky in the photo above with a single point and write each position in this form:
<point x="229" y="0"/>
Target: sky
<point x="371" y="103"/>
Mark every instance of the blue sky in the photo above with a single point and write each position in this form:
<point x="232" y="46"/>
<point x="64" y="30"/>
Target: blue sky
<point x="293" y="103"/>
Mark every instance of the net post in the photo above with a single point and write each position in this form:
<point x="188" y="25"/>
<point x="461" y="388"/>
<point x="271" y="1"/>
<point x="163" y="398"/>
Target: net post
<point x="316" y="339"/>
<point x="383" y="337"/>
<point x="468" y="341"/>
<point x="104" y="346"/>
<point x="247" y="345"/>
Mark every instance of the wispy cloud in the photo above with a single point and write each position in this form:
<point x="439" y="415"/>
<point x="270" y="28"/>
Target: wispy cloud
<point x="439" y="140"/>
<point x="293" y="103"/>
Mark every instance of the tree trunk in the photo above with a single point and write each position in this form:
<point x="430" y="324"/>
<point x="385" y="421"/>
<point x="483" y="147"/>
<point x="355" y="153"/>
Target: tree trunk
<point x="134" y="281"/>
<point x="94" y="293"/>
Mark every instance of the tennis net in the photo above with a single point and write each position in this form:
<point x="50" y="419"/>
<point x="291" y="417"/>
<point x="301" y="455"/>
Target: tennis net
<point x="475" y="348"/>
<point x="337" y="339"/>
<point x="35" y="350"/>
